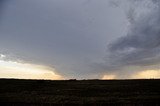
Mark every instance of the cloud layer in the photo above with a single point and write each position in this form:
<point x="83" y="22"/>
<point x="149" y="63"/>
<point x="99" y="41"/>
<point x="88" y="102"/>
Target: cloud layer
<point x="69" y="35"/>
<point x="16" y="69"/>
<point x="140" y="47"/>
<point x="72" y="36"/>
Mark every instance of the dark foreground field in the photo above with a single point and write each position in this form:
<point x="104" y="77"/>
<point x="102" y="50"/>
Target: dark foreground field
<point x="84" y="92"/>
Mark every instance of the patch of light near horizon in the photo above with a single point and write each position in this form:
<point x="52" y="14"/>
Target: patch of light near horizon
<point x="21" y="70"/>
<point x="109" y="77"/>
<point x="145" y="74"/>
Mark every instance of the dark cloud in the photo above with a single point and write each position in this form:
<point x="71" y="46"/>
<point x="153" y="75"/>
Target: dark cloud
<point x="71" y="35"/>
<point x="141" y="45"/>
<point x="2" y="6"/>
<point x="67" y="35"/>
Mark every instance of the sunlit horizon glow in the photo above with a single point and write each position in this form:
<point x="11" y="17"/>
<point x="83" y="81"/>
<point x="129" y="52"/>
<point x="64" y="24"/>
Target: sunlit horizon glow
<point x="146" y="74"/>
<point x="109" y="77"/>
<point x="13" y="69"/>
<point x="23" y="70"/>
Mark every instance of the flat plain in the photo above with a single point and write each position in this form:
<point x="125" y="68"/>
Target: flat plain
<point x="139" y="92"/>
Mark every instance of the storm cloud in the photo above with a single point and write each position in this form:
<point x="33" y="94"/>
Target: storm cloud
<point x="66" y="35"/>
<point x="72" y="37"/>
<point x="140" y="47"/>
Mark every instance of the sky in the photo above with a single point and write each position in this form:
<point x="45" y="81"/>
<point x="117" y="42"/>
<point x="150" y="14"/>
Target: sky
<point x="82" y="39"/>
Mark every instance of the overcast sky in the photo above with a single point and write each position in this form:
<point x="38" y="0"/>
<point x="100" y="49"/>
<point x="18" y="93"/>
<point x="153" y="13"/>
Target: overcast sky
<point x="81" y="38"/>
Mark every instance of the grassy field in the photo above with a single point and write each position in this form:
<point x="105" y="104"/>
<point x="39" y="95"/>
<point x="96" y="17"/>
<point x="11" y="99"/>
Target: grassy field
<point x="81" y="92"/>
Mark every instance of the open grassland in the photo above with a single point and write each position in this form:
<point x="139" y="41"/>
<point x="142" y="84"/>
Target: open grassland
<point x="81" y="92"/>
